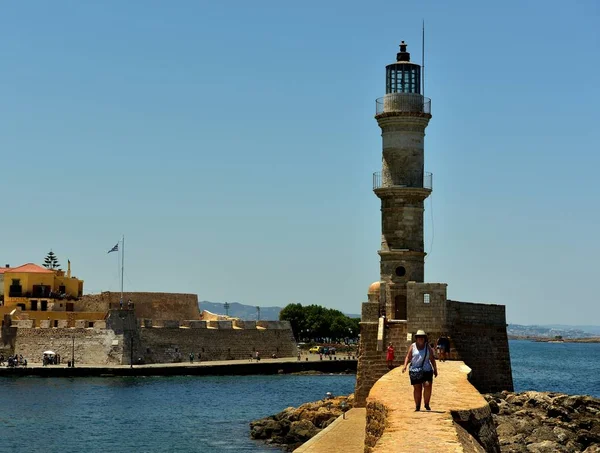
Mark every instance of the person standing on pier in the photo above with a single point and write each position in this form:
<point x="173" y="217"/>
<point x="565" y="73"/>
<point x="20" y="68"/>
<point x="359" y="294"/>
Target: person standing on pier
<point x="422" y="369"/>
<point x="390" y="356"/>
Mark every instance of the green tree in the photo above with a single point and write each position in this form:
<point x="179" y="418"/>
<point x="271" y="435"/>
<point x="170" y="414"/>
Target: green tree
<point x="51" y="261"/>
<point x="314" y="321"/>
<point x="295" y="314"/>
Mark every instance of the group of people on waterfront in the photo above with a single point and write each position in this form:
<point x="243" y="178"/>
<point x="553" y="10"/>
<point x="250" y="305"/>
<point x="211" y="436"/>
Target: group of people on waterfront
<point x="13" y="360"/>
<point x="198" y="357"/>
<point x="51" y="359"/>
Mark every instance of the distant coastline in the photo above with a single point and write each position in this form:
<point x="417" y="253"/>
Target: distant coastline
<point x="554" y="340"/>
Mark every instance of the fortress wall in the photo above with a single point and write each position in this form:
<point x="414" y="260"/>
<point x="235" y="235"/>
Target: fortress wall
<point x="63" y="318"/>
<point x="244" y="324"/>
<point x="92" y="346"/>
<point x="164" y="345"/>
<point x="159" y="306"/>
<point x="478" y="335"/>
<point x="372" y="363"/>
<point x="431" y="317"/>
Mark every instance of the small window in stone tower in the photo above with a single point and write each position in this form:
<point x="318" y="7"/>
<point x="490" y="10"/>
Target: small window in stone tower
<point x="425" y="298"/>
<point x="400" y="271"/>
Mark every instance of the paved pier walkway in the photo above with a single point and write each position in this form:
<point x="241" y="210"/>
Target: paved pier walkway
<point x="407" y="430"/>
<point x="423" y="431"/>
<point x="344" y="435"/>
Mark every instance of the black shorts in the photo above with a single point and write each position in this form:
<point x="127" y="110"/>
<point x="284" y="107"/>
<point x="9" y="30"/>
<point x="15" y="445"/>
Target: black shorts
<point x="427" y="377"/>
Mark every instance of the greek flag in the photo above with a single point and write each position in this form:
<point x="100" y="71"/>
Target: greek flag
<point x="115" y="248"/>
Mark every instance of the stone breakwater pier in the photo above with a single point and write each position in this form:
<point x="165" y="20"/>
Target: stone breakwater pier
<point x="460" y="419"/>
<point x="212" y="368"/>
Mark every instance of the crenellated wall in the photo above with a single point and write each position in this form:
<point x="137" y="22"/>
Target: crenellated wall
<point x="222" y="342"/>
<point x="153" y="341"/>
<point x="146" y="305"/>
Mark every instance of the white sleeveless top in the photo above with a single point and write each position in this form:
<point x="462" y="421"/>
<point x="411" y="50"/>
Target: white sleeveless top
<point x="419" y="356"/>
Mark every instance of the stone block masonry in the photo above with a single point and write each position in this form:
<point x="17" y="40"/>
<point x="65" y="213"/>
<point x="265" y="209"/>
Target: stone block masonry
<point x="478" y="334"/>
<point x="162" y="341"/>
<point x="372" y="363"/>
<point x="92" y="346"/>
<point x="157" y="306"/>
<point x="162" y="345"/>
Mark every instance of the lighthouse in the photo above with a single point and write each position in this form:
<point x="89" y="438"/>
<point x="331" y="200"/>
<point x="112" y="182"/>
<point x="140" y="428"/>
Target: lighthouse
<point x="402" y="302"/>
<point x="402" y="185"/>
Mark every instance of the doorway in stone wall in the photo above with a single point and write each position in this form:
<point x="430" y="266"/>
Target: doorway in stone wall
<point x="400" y="307"/>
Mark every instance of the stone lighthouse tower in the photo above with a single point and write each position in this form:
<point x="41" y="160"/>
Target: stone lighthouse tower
<point x="402" y="185"/>
<point x="401" y="302"/>
<point x="396" y="301"/>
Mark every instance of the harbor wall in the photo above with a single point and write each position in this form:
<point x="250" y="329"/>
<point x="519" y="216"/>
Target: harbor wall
<point x="173" y="344"/>
<point x="92" y="346"/>
<point x="167" y="341"/>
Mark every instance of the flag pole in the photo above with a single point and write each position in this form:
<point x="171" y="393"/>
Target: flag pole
<point x="122" y="265"/>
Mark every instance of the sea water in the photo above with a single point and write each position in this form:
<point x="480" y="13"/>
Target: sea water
<point x="212" y="414"/>
<point x="572" y="368"/>
<point x="150" y="414"/>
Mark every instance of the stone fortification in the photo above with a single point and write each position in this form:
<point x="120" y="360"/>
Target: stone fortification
<point x="146" y="305"/>
<point x="217" y="340"/>
<point x="112" y="341"/>
<point x="92" y="346"/>
<point x="478" y="336"/>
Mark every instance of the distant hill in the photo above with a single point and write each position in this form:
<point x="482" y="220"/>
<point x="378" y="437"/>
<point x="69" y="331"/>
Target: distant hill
<point x="246" y="312"/>
<point x="551" y="331"/>
<point x="593" y="330"/>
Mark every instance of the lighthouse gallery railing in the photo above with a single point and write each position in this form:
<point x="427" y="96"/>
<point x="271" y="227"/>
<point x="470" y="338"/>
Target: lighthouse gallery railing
<point x="404" y="103"/>
<point x="387" y="180"/>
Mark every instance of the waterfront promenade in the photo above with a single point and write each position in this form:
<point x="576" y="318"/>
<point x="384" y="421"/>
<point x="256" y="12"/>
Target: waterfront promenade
<point x="284" y="365"/>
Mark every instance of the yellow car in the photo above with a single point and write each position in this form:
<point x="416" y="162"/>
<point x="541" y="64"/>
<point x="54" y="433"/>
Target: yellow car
<point x="316" y="349"/>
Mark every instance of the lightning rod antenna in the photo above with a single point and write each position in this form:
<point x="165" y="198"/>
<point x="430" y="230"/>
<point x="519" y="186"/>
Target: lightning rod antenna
<point x="423" y="61"/>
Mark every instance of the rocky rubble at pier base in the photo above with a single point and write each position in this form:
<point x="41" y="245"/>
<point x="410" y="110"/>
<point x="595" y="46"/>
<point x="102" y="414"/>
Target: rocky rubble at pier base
<point x="293" y="426"/>
<point x="528" y="422"/>
<point x="542" y="422"/>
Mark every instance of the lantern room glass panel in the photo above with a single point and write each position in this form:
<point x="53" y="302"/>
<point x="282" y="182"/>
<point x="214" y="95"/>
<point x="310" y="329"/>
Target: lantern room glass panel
<point x="403" y="78"/>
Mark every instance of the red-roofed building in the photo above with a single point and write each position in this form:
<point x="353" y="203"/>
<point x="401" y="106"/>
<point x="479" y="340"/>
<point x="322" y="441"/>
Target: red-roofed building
<point x="31" y="287"/>
<point x="29" y="268"/>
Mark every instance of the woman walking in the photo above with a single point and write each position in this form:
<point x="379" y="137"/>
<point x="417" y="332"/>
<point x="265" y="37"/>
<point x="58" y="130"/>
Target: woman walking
<point x="422" y="369"/>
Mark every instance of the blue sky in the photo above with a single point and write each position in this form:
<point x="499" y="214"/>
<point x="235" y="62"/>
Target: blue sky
<point x="233" y="144"/>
